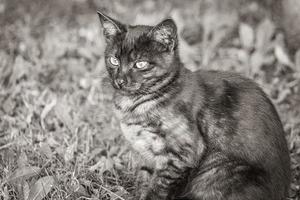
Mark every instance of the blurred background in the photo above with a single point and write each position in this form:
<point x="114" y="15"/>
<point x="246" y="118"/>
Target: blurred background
<point x="58" y="136"/>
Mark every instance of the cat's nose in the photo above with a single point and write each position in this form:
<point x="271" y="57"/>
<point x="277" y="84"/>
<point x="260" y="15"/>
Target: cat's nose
<point x="120" y="82"/>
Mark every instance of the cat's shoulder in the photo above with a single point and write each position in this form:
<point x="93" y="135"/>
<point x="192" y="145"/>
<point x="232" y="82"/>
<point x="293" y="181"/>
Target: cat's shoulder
<point x="222" y="86"/>
<point x="223" y="80"/>
<point x="214" y="76"/>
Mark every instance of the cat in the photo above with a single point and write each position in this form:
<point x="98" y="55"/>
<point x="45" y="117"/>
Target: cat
<point x="204" y="135"/>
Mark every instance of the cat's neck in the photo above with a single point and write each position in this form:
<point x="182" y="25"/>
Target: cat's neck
<point x="142" y="103"/>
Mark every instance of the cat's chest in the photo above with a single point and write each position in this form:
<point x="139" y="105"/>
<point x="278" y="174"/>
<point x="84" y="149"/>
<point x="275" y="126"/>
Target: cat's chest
<point x="152" y="134"/>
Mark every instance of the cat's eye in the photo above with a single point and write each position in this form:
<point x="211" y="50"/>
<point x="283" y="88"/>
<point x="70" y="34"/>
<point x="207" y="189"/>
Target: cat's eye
<point x="114" y="61"/>
<point x="141" y="64"/>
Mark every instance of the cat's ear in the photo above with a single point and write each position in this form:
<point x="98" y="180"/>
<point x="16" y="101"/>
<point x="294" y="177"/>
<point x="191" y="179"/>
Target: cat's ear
<point x="166" y="33"/>
<point x="111" y="27"/>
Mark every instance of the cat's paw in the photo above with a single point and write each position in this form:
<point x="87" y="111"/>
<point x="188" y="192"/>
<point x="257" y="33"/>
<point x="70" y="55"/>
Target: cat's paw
<point x="147" y="195"/>
<point x="143" y="178"/>
<point x="151" y="195"/>
<point x="143" y="183"/>
<point x="143" y="193"/>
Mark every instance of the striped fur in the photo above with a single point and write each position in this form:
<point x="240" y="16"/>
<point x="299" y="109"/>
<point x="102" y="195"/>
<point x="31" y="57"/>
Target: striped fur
<point x="202" y="135"/>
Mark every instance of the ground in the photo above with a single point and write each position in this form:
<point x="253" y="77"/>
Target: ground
<point x="58" y="136"/>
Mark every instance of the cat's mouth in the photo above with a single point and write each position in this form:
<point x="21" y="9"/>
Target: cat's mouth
<point x="132" y="88"/>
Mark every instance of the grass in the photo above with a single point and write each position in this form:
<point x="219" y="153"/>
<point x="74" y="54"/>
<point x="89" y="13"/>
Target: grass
<point x="58" y="136"/>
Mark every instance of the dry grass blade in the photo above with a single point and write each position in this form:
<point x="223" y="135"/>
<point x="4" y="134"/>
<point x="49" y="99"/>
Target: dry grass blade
<point x="114" y="195"/>
<point x="6" y="146"/>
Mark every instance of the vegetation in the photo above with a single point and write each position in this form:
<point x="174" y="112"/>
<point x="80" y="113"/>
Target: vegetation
<point x="59" y="138"/>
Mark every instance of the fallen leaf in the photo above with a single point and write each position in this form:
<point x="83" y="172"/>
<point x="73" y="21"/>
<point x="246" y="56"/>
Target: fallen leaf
<point x="41" y="188"/>
<point x="62" y="111"/>
<point x="264" y="34"/>
<point x="283" y="95"/>
<point x="104" y="164"/>
<point x="246" y="34"/>
<point x="52" y="142"/>
<point x="46" y="150"/>
<point x="69" y="153"/>
<point x="46" y="110"/>
<point x="281" y="51"/>
<point x="5" y="193"/>
<point x="9" y="105"/>
<point x="258" y="59"/>
<point x="22" y="160"/>
<point x="282" y="56"/>
<point x="20" y="69"/>
<point x="297" y="60"/>
<point x="2" y="7"/>
<point x="95" y="152"/>
<point x="24" y="173"/>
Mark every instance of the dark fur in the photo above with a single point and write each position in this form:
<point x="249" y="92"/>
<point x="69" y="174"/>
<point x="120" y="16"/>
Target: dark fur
<point x="205" y="135"/>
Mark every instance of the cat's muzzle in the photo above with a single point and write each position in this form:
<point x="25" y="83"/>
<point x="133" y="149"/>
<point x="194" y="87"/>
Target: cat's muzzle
<point x="119" y="83"/>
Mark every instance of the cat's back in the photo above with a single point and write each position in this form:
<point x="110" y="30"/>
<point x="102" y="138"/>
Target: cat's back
<point x="232" y="90"/>
<point x="215" y="78"/>
<point x="239" y="120"/>
<point x="239" y="102"/>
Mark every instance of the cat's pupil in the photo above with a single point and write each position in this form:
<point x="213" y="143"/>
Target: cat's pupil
<point x="114" y="61"/>
<point x="141" y="65"/>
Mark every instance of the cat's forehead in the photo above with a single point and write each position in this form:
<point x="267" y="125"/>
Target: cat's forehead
<point x="135" y="32"/>
<point x="134" y="42"/>
<point x="134" y="36"/>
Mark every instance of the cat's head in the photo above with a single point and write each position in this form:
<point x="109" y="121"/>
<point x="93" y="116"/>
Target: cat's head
<point x="140" y="59"/>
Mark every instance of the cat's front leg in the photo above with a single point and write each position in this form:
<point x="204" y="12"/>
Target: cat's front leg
<point x="165" y="178"/>
<point x="172" y="166"/>
<point x="154" y="192"/>
<point x="143" y="181"/>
